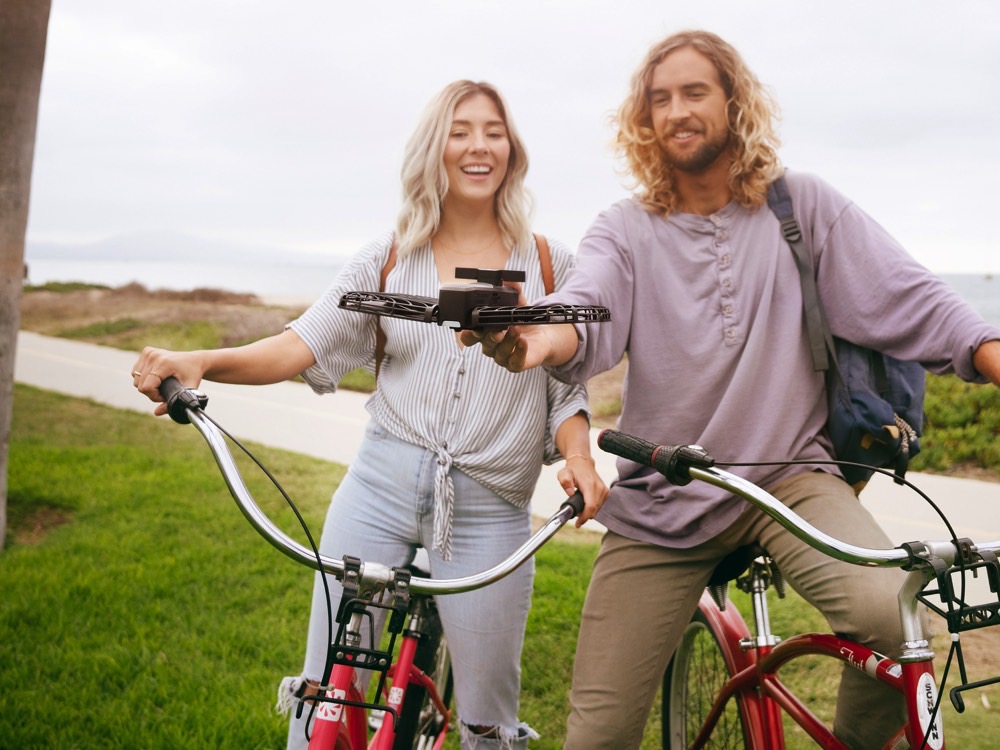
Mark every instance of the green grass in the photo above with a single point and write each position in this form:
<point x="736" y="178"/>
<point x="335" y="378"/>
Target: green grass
<point x="101" y="329"/>
<point x="963" y="426"/>
<point x="358" y="380"/>
<point x="145" y="612"/>
<point x="177" y="336"/>
<point x="154" y="617"/>
<point x="606" y="409"/>
<point x="64" y="286"/>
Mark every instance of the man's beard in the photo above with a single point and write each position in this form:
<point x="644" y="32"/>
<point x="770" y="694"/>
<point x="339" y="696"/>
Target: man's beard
<point x="701" y="159"/>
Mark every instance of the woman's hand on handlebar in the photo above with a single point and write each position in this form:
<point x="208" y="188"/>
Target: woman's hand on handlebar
<point x="155" y="365"/>
<point x="580" y="473"/>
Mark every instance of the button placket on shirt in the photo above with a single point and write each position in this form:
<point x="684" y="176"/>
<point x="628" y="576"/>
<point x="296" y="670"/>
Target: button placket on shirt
<point x="726" y="281"/>
<point x="456" y="389"/>
<point x="451" y="412"/>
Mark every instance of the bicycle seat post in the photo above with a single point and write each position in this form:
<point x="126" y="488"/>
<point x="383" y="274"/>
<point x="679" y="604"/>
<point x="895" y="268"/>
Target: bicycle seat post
<point x="756" y="582"/>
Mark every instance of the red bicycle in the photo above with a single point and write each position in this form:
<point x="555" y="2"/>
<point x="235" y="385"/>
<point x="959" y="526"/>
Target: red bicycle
<point x="722" y="688"/>
<point x="410" y="707"/>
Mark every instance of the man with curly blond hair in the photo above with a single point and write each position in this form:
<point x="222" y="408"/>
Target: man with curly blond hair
<point x="705" y="300"/>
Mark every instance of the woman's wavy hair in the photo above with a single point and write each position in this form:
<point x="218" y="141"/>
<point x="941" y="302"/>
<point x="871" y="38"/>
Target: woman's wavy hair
<point x="425" y="182"/>
<point x="752" y="115"/>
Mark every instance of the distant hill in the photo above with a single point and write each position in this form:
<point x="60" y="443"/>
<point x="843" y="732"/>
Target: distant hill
<point x="165" y="246"/>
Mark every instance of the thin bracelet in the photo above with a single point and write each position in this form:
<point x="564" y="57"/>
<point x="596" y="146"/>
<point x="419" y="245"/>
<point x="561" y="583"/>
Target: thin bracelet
<point x="579" y="455"/>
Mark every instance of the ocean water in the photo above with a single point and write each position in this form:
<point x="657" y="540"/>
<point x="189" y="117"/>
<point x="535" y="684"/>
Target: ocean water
<point x="306" y="281"/>
<point x="982" y="291"/>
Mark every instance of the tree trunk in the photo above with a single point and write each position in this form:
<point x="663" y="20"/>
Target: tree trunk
<point x="23" y="29"/>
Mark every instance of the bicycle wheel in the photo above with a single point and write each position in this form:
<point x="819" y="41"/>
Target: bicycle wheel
<point x="693" y="679"/>
<point x="419" y="720"/>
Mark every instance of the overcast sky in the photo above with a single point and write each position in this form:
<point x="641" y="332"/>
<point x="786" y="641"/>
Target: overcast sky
<point x="282" y="124"/>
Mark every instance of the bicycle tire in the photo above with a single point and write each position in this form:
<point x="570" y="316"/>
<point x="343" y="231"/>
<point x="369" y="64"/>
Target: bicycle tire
<point x="693" y="679"/>
<point x="419" y="720"/>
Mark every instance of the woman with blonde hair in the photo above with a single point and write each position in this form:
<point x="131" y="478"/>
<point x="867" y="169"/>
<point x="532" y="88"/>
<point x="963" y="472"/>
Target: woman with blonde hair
<point x="436" y="469"/>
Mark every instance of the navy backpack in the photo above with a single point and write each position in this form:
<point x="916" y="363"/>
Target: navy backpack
<point x="876" y="401"/>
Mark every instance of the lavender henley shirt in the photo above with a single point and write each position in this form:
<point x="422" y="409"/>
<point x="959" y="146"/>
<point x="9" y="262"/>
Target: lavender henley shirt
<point x="709" y="311"/>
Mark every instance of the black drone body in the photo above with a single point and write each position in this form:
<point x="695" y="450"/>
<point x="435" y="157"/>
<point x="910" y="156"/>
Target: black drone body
<point x="485" y="304"/>
<point x="458" y="303"/>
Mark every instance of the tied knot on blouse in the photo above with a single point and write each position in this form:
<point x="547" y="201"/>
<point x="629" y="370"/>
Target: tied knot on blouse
<point x="444" y="503"/>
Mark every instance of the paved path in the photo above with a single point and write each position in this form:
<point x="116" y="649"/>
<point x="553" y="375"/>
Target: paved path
<point x="290" y="416"/>
<point x="285" y="415"/>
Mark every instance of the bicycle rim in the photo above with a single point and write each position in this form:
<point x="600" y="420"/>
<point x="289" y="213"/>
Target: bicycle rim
<point x="693" y="679"/>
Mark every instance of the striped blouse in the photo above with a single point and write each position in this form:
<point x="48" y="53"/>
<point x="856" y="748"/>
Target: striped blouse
<point x="496" y="426"/>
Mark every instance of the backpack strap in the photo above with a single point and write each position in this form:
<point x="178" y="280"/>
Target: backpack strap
<point x="820" y="338"/>
<point x="390" y="262"/>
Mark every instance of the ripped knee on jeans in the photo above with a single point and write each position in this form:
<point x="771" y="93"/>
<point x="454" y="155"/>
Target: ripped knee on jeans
<point x="488" y="736"/>
<point x="484" y="730"/>
<point x="292" y="690"/>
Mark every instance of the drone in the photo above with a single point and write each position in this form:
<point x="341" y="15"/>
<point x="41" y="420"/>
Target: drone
<point x="483" y="305"/>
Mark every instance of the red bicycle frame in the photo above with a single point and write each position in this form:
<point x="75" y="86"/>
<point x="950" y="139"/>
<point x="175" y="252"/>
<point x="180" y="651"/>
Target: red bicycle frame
<point x="754" y="683"/>
<point x="340" y="722"/>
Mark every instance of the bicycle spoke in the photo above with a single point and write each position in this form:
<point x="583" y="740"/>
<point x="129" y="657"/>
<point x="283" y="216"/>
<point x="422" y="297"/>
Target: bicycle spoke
<point x="696" y="676"/>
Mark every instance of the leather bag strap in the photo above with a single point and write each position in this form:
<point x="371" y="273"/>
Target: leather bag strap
<point x="390" y="262"/>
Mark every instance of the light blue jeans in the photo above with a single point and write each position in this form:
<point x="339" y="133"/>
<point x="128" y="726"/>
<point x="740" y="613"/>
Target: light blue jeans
<point x="383" y="511"/>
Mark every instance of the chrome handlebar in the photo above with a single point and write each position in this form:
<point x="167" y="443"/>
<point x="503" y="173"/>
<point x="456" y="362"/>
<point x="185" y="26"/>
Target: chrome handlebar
<point x="186" y="405"/>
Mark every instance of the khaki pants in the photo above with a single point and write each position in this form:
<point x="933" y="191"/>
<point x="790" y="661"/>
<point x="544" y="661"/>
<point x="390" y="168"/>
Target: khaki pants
<point x="642" y="596"/>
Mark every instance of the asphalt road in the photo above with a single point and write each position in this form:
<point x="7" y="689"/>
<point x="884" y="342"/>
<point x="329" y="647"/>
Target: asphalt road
<point x="291" y="416"/>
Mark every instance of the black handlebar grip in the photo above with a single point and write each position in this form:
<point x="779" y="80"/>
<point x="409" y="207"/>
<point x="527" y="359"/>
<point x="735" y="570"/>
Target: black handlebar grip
<point x="574" y="501"/>
<point x="635" y="449"/>
<point x="672" y="461"/>
<point x="180" y="398"/>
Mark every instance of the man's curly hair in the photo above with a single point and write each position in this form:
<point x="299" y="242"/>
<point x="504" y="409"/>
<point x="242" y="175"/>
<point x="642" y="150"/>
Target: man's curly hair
<point x="752" y="115"/>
